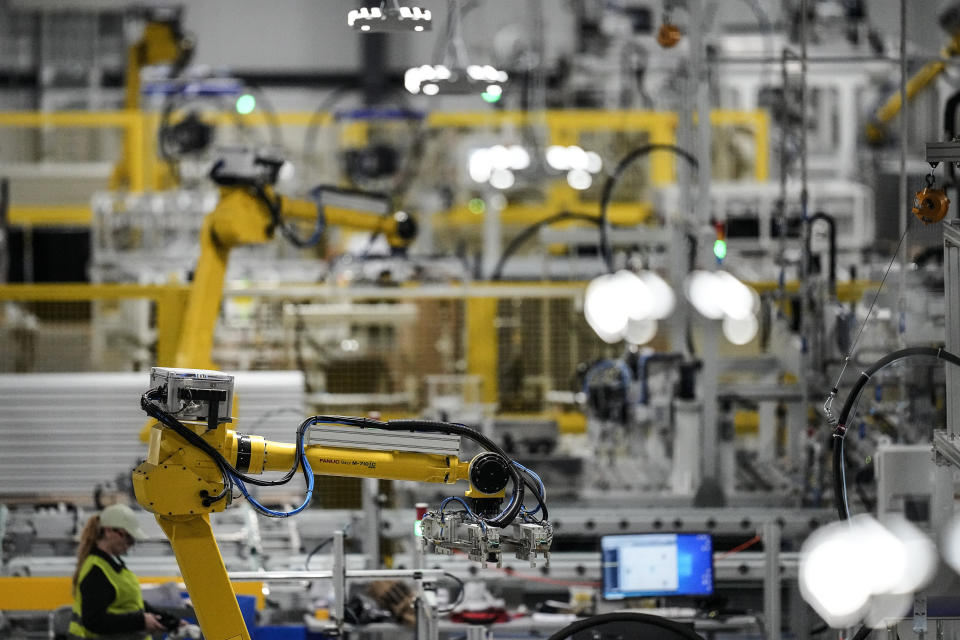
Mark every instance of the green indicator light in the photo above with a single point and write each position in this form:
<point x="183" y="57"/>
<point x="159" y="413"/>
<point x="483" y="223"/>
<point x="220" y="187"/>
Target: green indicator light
<point x="246" y="104"/>
<point x="418" y="529"/>
<point x="477" y="206"/>
<point x="720" y="249"/>
<point x="491" y="97"/>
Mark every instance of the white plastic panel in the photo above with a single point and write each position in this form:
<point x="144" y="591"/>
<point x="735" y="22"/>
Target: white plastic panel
<point x="65" y="433"/>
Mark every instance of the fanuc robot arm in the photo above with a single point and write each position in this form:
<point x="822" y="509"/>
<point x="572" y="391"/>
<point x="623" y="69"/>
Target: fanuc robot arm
<point x="250" y="212"/>
<point x="194" y="460"/>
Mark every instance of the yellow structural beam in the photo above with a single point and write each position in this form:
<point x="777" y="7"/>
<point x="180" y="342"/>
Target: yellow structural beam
<point x="850" y="291"/>
<point x="46" y="593"/>
<point x="58" y="216"/>
<point x="84" y="119"/>
<point x="482" y="345"/>
<point x="131" y="121"/>
<point x="139" y="168"/>
<point x="170" y="302"/>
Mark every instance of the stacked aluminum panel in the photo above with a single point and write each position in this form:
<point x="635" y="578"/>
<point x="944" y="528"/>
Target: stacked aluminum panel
<point x="66" y="433"/>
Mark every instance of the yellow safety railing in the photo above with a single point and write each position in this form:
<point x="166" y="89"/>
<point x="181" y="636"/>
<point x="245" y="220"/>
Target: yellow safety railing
<point x="133" y="124"/>
<point x="46" y="593"/>
<point x="140" y="164"/>
<point x="170" y="301"/>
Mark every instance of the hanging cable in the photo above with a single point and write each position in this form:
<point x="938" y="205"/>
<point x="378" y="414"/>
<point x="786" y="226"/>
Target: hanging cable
<point x="840" y="430"/>
<point x="606" y="251"/>
<point x="519" y="475"/>
<point x="519" y="481"/>
<point x="229" y="474"/>
<point x="828" y="402"/>
<point x="528" y="232"/>
<point x="275" y="207"/>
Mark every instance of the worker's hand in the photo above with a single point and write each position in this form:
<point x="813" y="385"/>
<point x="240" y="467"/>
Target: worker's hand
<point x="152" y="622"/>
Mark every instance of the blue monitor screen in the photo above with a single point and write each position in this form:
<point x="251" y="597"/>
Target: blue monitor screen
<point x="656" y="564"/>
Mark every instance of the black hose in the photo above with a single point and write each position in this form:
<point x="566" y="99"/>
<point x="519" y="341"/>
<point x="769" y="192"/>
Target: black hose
<point x="679" y="630"/>
<point x="229" y="472"/>
<point x="155" y="411"/>
<point x="606" y="251"/>
<point x="840" y="431"/>
<point x="429" y="426"/>
<point x="862" y="633"/>
<point x="525" y="235"/>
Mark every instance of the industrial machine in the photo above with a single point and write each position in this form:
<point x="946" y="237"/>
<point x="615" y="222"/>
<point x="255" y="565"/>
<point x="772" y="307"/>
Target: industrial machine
<point x="250" y="212"/>
<point x="194" y="462"/>
<point x="674" y="426"/>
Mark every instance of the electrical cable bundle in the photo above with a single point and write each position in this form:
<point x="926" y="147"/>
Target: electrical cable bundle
<point x="231" y="476"/>
<point x="519" y="475"/>
<point x="840" y="430"/>
<point x="275" y="207"/>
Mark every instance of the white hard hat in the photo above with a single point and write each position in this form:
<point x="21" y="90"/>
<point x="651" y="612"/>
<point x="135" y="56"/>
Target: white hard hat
<point x="120" y="516"/>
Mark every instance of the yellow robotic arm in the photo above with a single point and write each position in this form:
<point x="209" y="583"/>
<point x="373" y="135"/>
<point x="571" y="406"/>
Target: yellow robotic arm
<point x="876" y="128"/>
<point x="249" y="212"/>
<point x="194" y="459"/>
<point x="163" y="42"/>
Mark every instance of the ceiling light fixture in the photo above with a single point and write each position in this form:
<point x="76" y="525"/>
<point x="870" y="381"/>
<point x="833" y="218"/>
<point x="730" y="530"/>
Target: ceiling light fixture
<point x="456" y="75"/>
<point x="389" y="16"/>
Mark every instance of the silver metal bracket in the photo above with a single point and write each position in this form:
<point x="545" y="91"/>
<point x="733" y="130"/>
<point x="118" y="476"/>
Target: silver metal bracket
<point x="443" y="534"/>
<point x="920" y="614"/>
<point x="374" y="439"/>
<point x="943" y="152"/>
<point x="945" y="448"/>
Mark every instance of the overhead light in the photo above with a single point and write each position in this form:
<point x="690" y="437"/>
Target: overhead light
<point x="496" y="165"/>
<point x="740" y="331"/>
<point x="719" y="294"/>
<point x="626" y="306"/>
<point x="579" y="179"/>
<point x="573" y="157"/>
<point x="474" y="79"/>
<point x="844" y="566"/>
<point x="389" y="17"/>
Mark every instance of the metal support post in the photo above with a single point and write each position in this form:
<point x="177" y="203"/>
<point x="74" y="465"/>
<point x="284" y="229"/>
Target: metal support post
<point x="920" y="616"/>
<point x="708" y="376"/>
<point x="427" y="628"/>
<point x="767" y="431"/>
<point x="685" y="475"/>
<point x="339" y="578"/>
<point x="492" y="244"/>
<point x="796" y="431"/>
<point x="951" y="288"/>
<point x="772" y="611"/>
<point x="707" y="395"/>
<point x="371" y="518"/>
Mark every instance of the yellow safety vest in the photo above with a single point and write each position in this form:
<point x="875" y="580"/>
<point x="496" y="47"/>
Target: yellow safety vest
<point x="127" y="599"/>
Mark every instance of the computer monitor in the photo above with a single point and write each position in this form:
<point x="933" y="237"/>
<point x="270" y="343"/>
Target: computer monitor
<point x="656" y="564"/>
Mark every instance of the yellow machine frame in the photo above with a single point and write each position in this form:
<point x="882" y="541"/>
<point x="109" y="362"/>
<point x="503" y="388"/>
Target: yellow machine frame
<point x="169" y="482"/>
<point x="141" y="169"/>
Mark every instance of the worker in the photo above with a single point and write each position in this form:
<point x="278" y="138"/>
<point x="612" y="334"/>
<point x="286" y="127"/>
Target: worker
<point x="107" y="601"/>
